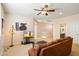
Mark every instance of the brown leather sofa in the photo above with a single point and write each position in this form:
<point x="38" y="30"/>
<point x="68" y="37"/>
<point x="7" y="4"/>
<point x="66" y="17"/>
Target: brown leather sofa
<point x="60" y="47"/>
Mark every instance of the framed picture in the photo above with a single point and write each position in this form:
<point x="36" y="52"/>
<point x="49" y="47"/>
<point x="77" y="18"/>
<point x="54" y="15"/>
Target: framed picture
<point x="17" y="26"/>
<point x="20" y="26"/>
<point x="62" y="30"/>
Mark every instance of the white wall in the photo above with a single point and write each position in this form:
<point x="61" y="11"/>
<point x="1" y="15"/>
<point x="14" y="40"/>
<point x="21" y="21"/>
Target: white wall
<point x="72" y="23"/>
<point x="0" y="22"/>
<point x="18" y="35"/>
<point x="72" y="27"/>
<point x="1" y="40"/>
<point x="0" y="27"/>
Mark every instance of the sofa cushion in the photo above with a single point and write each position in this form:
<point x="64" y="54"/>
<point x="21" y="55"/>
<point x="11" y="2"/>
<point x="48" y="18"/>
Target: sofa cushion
<point x="32" y="52"/>
<point x="69" y="37"/>
<point x="60" y="40"/>
<point x="40" y="47"/>
<point x="50" y="43"/>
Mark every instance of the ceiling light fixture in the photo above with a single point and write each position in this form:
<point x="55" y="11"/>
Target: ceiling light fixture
<point x="45" y="10"/>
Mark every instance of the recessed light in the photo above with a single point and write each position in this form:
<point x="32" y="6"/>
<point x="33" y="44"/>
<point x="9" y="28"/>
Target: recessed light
<point x="60" y="13"/>
<point x="39" y="20"/>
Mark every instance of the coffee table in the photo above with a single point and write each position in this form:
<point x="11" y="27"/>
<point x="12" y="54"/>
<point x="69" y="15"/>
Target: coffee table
<point x="41" y="42"/>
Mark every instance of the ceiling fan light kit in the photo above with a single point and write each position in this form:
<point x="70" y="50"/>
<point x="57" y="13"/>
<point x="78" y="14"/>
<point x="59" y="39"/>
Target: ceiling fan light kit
<point x="45" y="13"/>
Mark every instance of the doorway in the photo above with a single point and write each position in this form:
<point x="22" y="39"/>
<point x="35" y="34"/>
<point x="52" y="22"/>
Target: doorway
<point x="43" y="31"/>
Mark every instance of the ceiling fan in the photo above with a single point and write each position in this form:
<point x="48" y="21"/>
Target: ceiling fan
<point x="45" y="10"/>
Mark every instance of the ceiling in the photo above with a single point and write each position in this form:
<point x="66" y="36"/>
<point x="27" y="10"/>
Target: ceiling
<point x="27" y="9"/>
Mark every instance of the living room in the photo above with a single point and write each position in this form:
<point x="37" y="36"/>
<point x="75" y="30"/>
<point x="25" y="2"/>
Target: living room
<point x="26" y="26"/>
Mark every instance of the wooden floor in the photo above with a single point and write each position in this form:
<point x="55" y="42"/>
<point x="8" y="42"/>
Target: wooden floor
<point x="75" y="50"/>
<point x="22" y="50"/>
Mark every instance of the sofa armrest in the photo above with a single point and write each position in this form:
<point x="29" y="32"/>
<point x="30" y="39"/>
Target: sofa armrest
<point x="32" y="52"/>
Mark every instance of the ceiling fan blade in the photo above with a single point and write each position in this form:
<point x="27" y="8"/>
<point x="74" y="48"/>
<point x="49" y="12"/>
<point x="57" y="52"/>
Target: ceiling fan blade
<point x="53" y="10"/>
<point x="37" y="10"/>
<point x="39" y="13"/>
